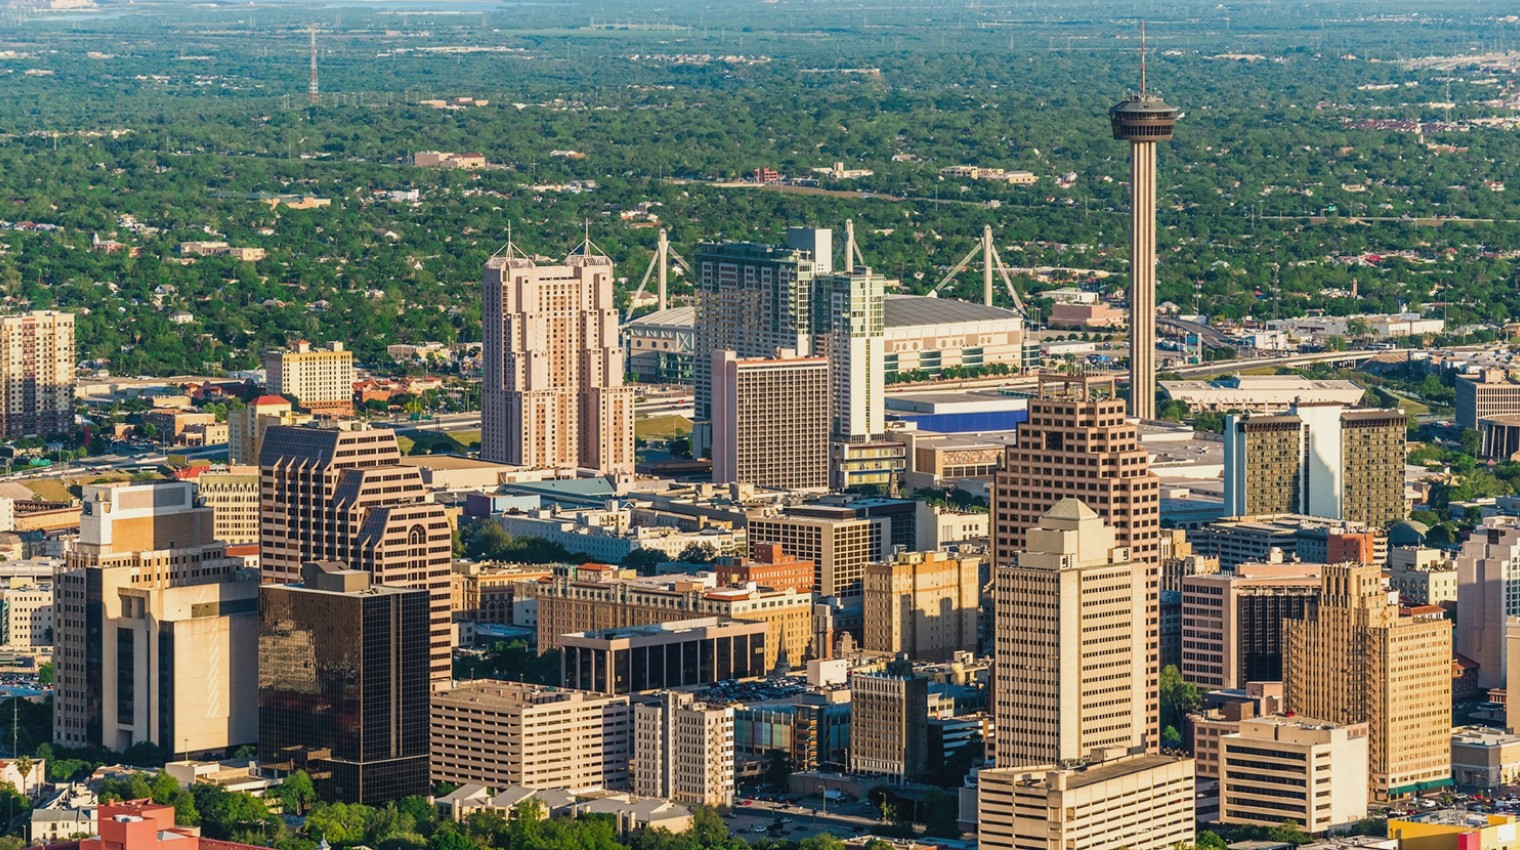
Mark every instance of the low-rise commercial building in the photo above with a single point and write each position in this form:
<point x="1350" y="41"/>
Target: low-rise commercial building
<point x="1487" y="394"/>
<point x="1454" y="829"/>
<point x="1423" y="576"/>
<point x="1483" y="758"/>
<point x="1293" y="768"/>
<point x="672" y="654"/>
<point x="1260" y="393"/>
<point x="1139" y="802"/>
<point x="610" y="535"/>
<point x="511" y="733"/>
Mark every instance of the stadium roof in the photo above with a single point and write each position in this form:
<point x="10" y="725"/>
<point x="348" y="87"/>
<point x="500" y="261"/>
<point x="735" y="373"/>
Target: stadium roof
<point x="899" y="311"/>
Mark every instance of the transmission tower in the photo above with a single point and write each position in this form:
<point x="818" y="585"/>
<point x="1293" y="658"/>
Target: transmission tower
<point x="312" y="90"/>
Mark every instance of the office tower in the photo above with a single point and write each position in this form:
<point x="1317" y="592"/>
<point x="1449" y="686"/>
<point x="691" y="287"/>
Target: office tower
<point x="1354" y="658"/>
<point x="1487" y="394"/>
<point x="769" y="421"/>
<point x="585" y="603"/>
<point x="503" y="734"/>
<point x="849" y="329"/>
<point x="1512" y="672"/>
<point x="232" y="494"/>
<point x="768" y="566"/>
<point x="1142" y="120"/>
<point x="343" y="684"/>
<point x="923" y="605"/>
<point x="889" y="723"/>
<point x="753" y="300"/>
<point x="155" y="627"/>
<point x="37" y="374"/>
<point x="683" y="750"/>
<point x="1488" y="594"/>
<point x="321" y="380"/>
<point x="1078" y="444"/>
<point x="839" y="548"/>
<point x="1292" y="768"/>
<point x="1318" y="460"/>
<point x="339" y="493"/>
<point x="246" y="426"/>
<point x="553" y="394"/>
<point x="1232" y="623"/>
<point x="1143" y="802"/>
<point x="1070" y="673"/>
<point x="667" y="654"/>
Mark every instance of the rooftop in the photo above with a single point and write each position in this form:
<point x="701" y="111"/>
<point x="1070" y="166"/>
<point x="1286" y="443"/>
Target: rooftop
<point x="1455" y="817"/>
<point x="898" y="311"/>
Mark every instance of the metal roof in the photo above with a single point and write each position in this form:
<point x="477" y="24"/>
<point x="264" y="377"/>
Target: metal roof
<point x="899" y="311"/>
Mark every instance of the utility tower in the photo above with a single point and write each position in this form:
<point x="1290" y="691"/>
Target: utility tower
<point x="312" y="89"/>
<point x="1142" y="119"/>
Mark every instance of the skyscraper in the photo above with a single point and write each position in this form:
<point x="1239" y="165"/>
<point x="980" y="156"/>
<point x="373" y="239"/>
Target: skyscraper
<point x="154" y="627"/>
<point x="37" y="374"/>
<point x="1488" y="595"/>
<point x="343" y="684"/>
<point x="338" y="493"/>
<point x="1317" y="460"/>
<point x="769" y="422"/>
<point x="1070" y="673"/>
<point x="1078" y="444"/>
<point x="553" y="394"/>
<point x="849" y="309"/>
<point x="1354" y="658"/>
<point x="1142" y="120"/>
<point x="923" y="605"/>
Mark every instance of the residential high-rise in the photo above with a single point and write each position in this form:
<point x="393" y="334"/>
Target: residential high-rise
<point x="889" y="723"/>
<point x="683" y="750"/>
<point x="1488" y="594"/>
<point x="1142" y="802"/>
<point x="753" y="300"/>
<point x="343" y="684"/>
<point x="1142" y="120"/>
<point x="769" y="422"/>
<point x="246" y="426"/>
<point x="553" y="393"/>
<point x="1078" y="444"/>
<point x="155" y="628"/>
<point x="1070" y="675"/>
<point x="1354" y="658"/>
<point x="321" y="380"/>
<point x="339" y="493"/>
<point x="232" y="494"/>
<point x="849" y="309"/>
<point x="512" y="733"/>
<point x="1292" y="768"/>
<point x="37" y="374"/>
<point x="1318" y="460"/>
<point x="923" y="605"/>
<point x="1232" y="623"/>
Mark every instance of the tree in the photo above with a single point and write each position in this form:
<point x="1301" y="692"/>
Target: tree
<point x="24" y="765"/>
<point x="697" y="553"/>
<point x="823" y="841"/>
<point x="1178" y="697"/>
<point x="45" y="673"/>
<point x="339" y="824"/>
<point x="1210" y="841"/>
<point x="1472" y="442"/>
<point x="297" y="793"/>
<point x="644" y="560"/>
<point x="941" y="818"/>
<point x="1288" y="832"/>
<point x="778" y="770"/>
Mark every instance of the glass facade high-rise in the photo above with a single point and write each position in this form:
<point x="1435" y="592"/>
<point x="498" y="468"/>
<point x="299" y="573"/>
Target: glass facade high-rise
<point x="344" y="685"/>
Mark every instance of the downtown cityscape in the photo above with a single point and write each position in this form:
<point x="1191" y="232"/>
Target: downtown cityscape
<point x="793" y="425"/>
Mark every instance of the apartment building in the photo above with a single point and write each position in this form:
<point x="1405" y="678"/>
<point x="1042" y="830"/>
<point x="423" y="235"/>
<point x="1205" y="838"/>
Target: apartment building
<point x="553" y="394"/>
<point x="1354" y="658"/>
<point x="510" y="733"/>
<point x="683" y="750"/>
<point x="1232" y="623"/>
<point x="769" y="427"/>
<point x="1143" y="802"/>
<point x="1293" y="768"/>
<point x="338" y="493"/>
<point x="37" y="374"/>
<point x="1069" y="660"/>
<point x="923" y="605"/>
<point x="155" y="628"/>
<point x="232" y="494"/>
<point x="590" y="604"/>
<point x="321" y="380"/>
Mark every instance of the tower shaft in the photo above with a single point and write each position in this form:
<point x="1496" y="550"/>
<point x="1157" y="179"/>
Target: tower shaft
<point x="312" y="89"/>
<point x="1142" y="277"/>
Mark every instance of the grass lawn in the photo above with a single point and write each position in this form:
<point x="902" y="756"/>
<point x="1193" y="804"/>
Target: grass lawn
<point x="440" y="442"/>
<point x="662" y="427"/>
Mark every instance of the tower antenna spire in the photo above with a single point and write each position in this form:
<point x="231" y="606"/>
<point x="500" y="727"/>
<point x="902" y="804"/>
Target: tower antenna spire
<point x="1142" y="58"/>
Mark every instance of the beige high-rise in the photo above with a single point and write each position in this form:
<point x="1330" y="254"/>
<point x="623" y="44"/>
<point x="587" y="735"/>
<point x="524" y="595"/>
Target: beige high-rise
<point x="839" y="548"/>
<point x="321" y="380"/>
<point x="246" y="427"/>
<point x="1354" y="658"/>
<point x="770" y="424"/>
<point x="553" y="394"/>
<point x="1143" y="802"/>
<point x="37" y="374"/>
<point x="1069" y="659"/>
<point x="683" y="750"/>
<point x="923" y="605"/>
<point x="1078" y="444"/>
<point x="156" y="630"/>
<point x="338" y="493"/>
<point x="232" y="494"/>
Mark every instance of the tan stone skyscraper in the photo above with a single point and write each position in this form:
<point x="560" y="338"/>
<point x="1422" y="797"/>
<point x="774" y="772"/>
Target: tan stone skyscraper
<point x="553" y="393"/>
<point x="1078" y="444"/>
<point x="1070" y="667"/>
<point x="338" y="493"/>
<point x="1354" y="658"/>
